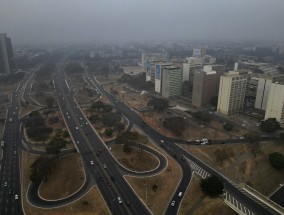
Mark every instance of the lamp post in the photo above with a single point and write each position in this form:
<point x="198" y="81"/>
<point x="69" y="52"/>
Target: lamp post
<point x="112" y="206"/>
<point x="146" y="191"/>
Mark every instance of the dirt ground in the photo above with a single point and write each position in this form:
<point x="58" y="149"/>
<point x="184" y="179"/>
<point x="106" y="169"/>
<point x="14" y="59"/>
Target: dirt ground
<point x="214" y="130"/>
<point x="91" y="203"/>
<point x="64" y="180"/>
<point x="244" y="164"/>
<point x="197" y="203"/>
<point x="4" y="98"/>
<point x="9" y="88"/>
<point x="135" y="160"/>
<point x="82" y="96"/>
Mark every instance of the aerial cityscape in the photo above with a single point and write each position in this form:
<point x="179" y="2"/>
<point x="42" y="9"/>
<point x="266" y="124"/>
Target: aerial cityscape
<point x="141" y="107"/>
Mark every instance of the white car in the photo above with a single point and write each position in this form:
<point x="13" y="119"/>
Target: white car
<point x="119" y="200"/>
<point x="173" y="203"/>
<point x="5" y="184"/>
<point x="76" y="127"/>
<point x="92" y="162"/>
<point x="16" y="196"/>
<point x="162" y="141"/>
<point x="179" y="194"/>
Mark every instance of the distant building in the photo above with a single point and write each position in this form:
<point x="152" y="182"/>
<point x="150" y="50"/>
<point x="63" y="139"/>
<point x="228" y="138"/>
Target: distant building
<point x="204" y="87"/>
<point x="263" y="88"/>
<point x="6" y="54"/>
<point x="232" y="91"/>
<point x="199" y="52"/>
<point x="275" y="103"/>
<point x="255" y="67"/>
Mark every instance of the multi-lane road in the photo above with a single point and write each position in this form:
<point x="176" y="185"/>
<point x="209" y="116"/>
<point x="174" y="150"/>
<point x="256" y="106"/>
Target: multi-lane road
<point x="10" y="193"/>
<point x="100" y="166"/>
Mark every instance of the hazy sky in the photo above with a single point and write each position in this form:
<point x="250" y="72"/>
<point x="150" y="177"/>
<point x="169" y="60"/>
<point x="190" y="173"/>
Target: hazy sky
<point x="44" y="21"/>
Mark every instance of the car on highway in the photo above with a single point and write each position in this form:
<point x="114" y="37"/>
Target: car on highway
<point x="92" y="162"/>
<point x="15" y="152"/>
<point x="119" y="200"/>
<point x="105" y="166"/>
<point x="127" y="203"/>
<point x="173" y="203"/>
<point x="76" y="127"/>
<point x="180" y="194"/>
<point x="101" y="178"/>
<point x="16" y="197"/>
<point x="162" y="141"/>
<point x="5" y="184"/>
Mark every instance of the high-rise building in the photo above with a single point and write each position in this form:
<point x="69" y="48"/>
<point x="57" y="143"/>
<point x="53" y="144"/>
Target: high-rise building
<point x="232" y="91"/>
<point x="263" y="88"/>
<point x="6" y="54"/>
<point x="171" y="77"/>
<point x="275" y="103"/>
<point x="204" y="87"/>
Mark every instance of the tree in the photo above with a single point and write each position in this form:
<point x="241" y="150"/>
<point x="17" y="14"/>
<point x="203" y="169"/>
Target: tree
<point x="270" y="125"/>
<point x="158" y="104"/>
<point x="120" y="126"/>
<point x="49" y="101"/>
<point x="175" y="124"/>
<point x="55" y="146"/>
<point x="212" y="186"/>
<point x="228" y="126"/>
<point x="203" y="116"/>
<point x="40" y="169"/>
<point x="110" y="119"/>
<point x="97" y="105"/>
<point x="108" y="132"/>
<point x="221" y="155"/>
<point x="276" y="159"/>
<point x="252" y="137"/>
<point x="155" y="187"/>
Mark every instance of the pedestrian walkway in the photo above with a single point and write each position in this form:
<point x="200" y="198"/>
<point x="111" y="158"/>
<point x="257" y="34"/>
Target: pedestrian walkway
<point x="236" y="205"/>
<point x="198" y="170"/>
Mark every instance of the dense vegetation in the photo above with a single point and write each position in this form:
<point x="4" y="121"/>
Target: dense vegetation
<point x="228" y="126"/>
<point x="270" y="125"/>
<point x="137" y="82"/>
<point x="276" y="159"/>
<point x="158" y="104"/>
<point x="35" y="126"/>
<point x="203" y="116"/>
<point x="175" y="124"/>
<point x="212" y="186"/>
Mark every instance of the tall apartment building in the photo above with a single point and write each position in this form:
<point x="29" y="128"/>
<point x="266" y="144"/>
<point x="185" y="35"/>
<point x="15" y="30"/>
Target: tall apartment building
<point x="263" y="88"/>
<point x="171" y="81"/>
<point x="204" y="87"/>
<point x="232" y="91"/>
<point x="6" y="54"/>
<point x="275" y="103"/>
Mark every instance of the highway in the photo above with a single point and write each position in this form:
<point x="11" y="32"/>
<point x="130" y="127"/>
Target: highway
<point x="10" y="193"/>
<point x="109" y="180"/>
<point x="247" y="200"/>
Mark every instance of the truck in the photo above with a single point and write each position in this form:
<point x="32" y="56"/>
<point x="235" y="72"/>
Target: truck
<point x="2" y="144"/>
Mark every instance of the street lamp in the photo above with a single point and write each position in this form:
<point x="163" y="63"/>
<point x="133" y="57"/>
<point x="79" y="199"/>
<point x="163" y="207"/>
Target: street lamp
<point x="112" y="205"/>
<point x="146" y="191"/>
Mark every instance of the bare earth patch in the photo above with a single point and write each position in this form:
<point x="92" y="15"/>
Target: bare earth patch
<point x="243" y="165"/>
<point x="66" y="178"/>
<point x="136" y="160"/>
<point x="91" y="203"/>
<point x="195" y="202"/>
<point x="166" y="182"/>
